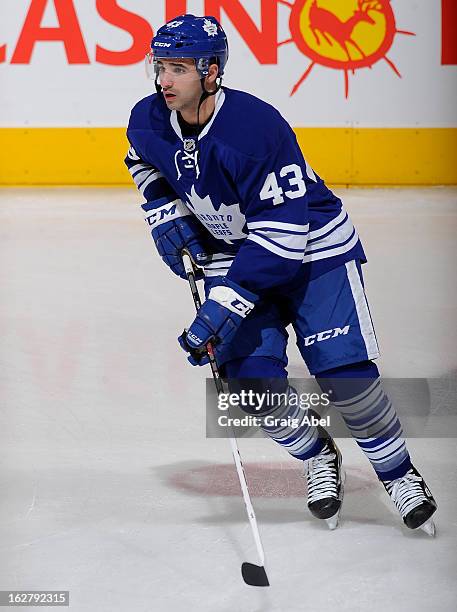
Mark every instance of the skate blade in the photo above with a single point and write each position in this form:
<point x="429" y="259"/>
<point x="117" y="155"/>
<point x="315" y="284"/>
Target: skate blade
<point x="429" y="528"/>
<point x="334" y="521"/>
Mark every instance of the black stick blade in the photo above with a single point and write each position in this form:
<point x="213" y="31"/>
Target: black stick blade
<point x="254" y="575"/>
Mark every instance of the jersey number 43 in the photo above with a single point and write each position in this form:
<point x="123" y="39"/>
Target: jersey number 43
<point x="272" y="190"/>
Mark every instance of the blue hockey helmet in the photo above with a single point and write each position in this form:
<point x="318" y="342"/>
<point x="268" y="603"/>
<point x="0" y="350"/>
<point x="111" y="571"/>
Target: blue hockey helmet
<point x="200" y="38"/>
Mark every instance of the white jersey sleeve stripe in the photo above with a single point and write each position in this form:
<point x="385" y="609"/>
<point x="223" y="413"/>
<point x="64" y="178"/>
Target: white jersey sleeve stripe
<point x="279" y="225"/>
<point x="332" y="252"/>
<point x="326" y="228"/>
<point x="132" y="154"/>
<point x="219" y="264"/>
<point x="137" y="167"/>
<point x="331" y="232"/>
<point x="216" y="272"/>
<point x="273" y="248"/>
<point x="334" y="239"/>
<point x="293" y="242"/>
<point x="148" y="181"/>
<point x="140" y="177"/>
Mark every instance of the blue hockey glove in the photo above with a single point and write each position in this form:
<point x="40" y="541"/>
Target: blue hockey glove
<point x="174" y="228"/>
<point x="217" y="320"/>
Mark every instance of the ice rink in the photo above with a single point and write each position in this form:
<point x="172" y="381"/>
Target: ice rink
<point x="109" y="488"/>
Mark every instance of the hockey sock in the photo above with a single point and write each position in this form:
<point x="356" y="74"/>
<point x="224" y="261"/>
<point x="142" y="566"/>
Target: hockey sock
<point x="267" y="376"/>
<point x="369" y="415"/>
<point x="302" y="442"/>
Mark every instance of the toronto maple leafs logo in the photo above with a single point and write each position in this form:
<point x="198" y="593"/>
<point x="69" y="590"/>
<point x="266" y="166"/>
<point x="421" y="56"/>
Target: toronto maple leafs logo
<point x="174" y="24"/>
<point x="210" y="27"/>
<point x="224" y="222"/>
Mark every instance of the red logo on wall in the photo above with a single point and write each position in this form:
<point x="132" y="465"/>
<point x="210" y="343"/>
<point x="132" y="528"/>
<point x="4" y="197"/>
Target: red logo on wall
<point x="344" y="35"/>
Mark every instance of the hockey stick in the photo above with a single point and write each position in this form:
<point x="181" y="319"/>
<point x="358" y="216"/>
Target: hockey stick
<point x="254" y="575"/>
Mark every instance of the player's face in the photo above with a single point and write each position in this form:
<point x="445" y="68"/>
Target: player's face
<point x="180" y="83"/>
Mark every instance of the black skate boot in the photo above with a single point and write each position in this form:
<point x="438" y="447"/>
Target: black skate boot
<point x="413" y="500"/>
<point x="325" y="479"/>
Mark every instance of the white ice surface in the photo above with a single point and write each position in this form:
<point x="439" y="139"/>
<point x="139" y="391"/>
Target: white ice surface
<point x="109" y="488"/>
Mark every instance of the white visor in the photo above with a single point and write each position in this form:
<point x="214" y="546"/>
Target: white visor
<point x="168" y="70"/>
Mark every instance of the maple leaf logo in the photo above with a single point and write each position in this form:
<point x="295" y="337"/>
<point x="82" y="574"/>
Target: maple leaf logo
<point x="224" y="222"/>
<point x="210" y="27"/>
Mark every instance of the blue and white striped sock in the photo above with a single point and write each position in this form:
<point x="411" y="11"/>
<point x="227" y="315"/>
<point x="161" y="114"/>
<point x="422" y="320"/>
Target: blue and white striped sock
<point x="370" y="417"/>
<point x="300" y="442"/>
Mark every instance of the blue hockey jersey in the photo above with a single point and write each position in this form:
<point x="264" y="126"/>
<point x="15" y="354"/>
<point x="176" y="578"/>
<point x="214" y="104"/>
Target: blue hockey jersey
<point x="270" y="220"/>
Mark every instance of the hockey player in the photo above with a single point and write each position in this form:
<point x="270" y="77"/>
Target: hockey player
<point x="223" y="177"/>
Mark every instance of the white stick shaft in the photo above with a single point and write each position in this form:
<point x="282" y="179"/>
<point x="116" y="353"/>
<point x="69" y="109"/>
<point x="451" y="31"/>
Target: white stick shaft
<point x="189" y="268"/>
<point x="247" y="499"/>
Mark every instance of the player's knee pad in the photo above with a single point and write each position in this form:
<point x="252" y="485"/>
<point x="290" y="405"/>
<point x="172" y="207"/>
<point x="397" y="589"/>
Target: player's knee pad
<point x="260" y="380"/>
<point x="348" y="381"/>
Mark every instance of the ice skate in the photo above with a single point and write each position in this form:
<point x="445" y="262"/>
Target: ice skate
<point x="325" y="479"/>
<point x="413" y="500"/>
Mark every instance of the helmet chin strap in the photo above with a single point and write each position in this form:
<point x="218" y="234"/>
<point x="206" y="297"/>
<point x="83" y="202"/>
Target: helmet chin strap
<point x="205" y="95"/>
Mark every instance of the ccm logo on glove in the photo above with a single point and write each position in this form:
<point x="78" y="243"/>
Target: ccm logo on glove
<point x="168" y="212"/>
<point x="192" y="338"/>
<point x="218" y="320"/>
<point x="230" y="299"/>
<point x="174" y="228"/>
